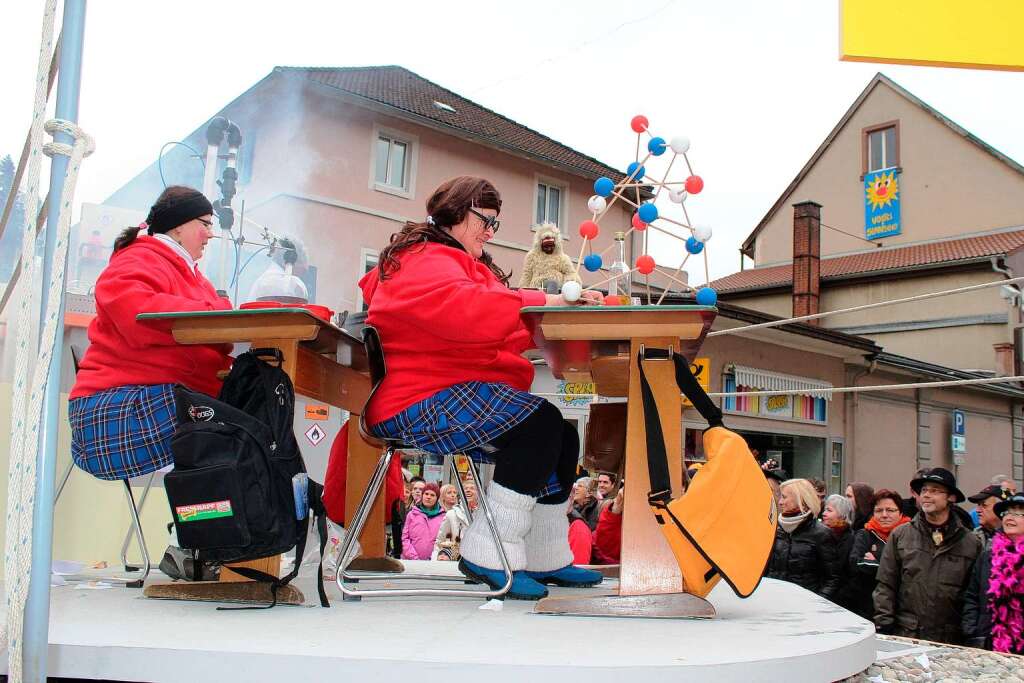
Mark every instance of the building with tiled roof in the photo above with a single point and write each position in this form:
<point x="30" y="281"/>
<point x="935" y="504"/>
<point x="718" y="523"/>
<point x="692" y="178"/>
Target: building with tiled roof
<point x="342" y="157"/>
<point x="951" y="217"/>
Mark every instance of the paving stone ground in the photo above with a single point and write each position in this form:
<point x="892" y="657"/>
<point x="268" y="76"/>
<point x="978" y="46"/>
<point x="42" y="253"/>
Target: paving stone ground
<point x="944" y="664"/>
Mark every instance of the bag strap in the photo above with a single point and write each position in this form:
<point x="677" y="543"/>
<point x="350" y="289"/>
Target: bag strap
<point x="657" y="458"/>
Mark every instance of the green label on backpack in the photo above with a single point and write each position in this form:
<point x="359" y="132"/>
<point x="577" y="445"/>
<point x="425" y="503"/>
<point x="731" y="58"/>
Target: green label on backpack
<point x="201" y="511"/>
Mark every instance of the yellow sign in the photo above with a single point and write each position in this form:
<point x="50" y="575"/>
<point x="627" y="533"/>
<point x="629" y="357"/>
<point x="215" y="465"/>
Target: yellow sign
<point x="701" y="369"/>
<point x="576" y="393"/>
<point x="970" y="35"/>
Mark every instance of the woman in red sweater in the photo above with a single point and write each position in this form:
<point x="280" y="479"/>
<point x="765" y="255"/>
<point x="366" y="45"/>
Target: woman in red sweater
<point x="457" y="383"/>
<point x="121" y="408"/>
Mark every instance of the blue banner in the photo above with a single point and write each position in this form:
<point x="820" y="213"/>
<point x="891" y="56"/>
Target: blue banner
<point x="881" y="204"/>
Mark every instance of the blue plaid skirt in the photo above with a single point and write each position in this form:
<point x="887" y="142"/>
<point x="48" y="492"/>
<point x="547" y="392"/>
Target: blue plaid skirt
<point x="464" y="418"/>
<point x="123" y="432"/>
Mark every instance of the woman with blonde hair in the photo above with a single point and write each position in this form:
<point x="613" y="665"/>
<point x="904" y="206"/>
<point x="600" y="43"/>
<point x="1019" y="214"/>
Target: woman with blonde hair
<point x="805" y="550"/>
<point x="449" y="497"/>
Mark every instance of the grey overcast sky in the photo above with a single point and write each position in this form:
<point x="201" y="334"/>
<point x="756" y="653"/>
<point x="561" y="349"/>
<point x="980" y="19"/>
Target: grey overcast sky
<point x="755" y="85"/>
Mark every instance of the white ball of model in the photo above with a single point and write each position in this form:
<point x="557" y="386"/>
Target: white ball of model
<point x="571" y="291"/>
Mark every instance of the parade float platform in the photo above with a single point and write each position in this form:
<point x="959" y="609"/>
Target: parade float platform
<point x="782" y="632"/>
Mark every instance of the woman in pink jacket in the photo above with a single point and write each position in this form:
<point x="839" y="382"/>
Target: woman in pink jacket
<point x="421" y="525"/>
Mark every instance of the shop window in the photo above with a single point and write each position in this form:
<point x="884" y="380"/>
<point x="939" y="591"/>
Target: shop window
<point x="881" y="147"/>
<point x="835" y="481"/>
<point x="796" y="407"/>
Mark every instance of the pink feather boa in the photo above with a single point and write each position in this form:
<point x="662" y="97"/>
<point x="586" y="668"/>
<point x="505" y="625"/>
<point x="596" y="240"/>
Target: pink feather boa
<point x="1006" y="594"/>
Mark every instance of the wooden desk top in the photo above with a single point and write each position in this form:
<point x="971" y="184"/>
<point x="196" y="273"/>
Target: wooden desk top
<point x="592" y="343"/>
<point x="217" y="327"/>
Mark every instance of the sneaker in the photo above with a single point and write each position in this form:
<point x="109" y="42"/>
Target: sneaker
<point x="523" y="587"/>
<point x="179" y="564"/>
<point x="569" y="576"/>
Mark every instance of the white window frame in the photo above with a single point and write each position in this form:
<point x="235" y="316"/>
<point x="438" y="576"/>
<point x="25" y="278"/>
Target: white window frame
<point x="367" y="258"/>
<point x="412" y="143"/>
<point x="563" y="189"/>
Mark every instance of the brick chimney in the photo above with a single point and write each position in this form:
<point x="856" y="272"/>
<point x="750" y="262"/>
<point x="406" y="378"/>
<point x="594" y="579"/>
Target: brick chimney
<point x="806" y="258"/>
<point x="1004" y="360"/>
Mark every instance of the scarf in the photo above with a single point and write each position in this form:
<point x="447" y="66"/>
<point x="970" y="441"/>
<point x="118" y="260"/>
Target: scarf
<point x="430" y="512"/>
<point x="838" y="526"/>
<point x="1006" y="594"/>
<point x="789" y="524"/>
<point x="883" y="531"/>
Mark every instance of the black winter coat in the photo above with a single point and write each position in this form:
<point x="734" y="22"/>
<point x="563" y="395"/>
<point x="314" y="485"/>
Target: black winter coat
<point x="806" y="557"/>
<point x="844" y="543"/>
<point x="862" y="573"/>
<point x="977" y="620"/>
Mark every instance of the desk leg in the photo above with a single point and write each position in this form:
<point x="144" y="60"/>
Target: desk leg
<point x="362" y="460"/>
<point x="650" y="582"/>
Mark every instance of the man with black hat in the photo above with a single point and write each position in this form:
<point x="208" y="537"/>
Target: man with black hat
<point x="985" y="502"/>
<point x="926" y="564"/>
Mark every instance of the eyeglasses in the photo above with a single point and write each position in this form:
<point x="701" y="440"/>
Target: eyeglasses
<point x="1014" y="513"/>
<point x="208" y="224"/>
<point x="491" y="222"/>
<point x="933" y="490"/>
<point x="882" y="511"/>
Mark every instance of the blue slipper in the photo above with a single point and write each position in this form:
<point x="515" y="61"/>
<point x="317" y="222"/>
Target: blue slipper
<point x="523" y="587"/>
<point x="569" y="576"/>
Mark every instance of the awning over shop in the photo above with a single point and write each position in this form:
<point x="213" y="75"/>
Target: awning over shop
<point x="766" y="380"/>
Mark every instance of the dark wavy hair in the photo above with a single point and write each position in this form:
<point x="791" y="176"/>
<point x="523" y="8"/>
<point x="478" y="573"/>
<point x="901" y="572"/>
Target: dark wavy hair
<point x="446" y="207"/>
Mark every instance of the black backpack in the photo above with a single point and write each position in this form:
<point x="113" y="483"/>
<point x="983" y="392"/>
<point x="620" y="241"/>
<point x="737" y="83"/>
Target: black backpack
<point x="232" y="494"/>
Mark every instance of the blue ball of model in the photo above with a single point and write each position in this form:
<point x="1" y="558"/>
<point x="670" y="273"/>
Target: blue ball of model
<point x="707" y="296"/>
<point x="592" y="262"/>
<point x="635" y="166"/>
<point x="648" y="212"/>
<point x="693" y="246"/>
<point x="604" y="186"/>
<point x="657" y="146"/>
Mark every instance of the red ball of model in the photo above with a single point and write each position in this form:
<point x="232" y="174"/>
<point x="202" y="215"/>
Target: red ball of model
<point x="645" y="264"/>
<point x="639" y="123"/>
<point x="589" y="230"/>
<point x="613" y="300"/>
<point x="638" y="224"/>
<point x="694" y="184"/>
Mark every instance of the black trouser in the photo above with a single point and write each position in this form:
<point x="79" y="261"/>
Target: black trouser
<point x="530" y="452"/>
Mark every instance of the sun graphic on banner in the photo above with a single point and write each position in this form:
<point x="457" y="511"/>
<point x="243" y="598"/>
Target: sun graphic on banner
<point x="883" y="190"/>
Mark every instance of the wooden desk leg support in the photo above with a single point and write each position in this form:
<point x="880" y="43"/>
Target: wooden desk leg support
<point x="362" y="460"/>
<point x="650" y="583"/>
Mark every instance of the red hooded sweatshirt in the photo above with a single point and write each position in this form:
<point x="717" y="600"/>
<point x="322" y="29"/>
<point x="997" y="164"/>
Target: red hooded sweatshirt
<point x="148" y="277"/>
<point x="445" y="319"/>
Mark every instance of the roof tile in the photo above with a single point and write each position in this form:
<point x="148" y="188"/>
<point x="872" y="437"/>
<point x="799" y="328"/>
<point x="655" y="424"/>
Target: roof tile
<point x="400" y="88"/>
<point x="933" y="253"/>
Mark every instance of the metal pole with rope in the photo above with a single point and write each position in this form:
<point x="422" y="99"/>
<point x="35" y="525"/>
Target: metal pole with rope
<point x="37" y="606"/>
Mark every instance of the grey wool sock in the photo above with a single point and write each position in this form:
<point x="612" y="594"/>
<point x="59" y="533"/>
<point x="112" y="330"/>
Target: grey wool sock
<point x="511" y="513"/>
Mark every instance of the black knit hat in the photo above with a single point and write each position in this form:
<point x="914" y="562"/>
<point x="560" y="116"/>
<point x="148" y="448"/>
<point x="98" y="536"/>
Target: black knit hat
<point x="938" y="475"/>
<point x="169" y="214"/>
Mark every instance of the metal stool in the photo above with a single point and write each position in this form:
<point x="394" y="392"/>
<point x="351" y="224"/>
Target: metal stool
<point x="133" y="511"/>
<point x="375" y="355"/>
<point x="135" y="526"/>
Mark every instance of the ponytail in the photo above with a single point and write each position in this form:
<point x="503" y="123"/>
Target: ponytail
<point x="126" y="237"/>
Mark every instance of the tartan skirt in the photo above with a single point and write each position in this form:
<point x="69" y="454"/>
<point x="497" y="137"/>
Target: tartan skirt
<point x="464" y="418"/>
<point x="123" y="432"/>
